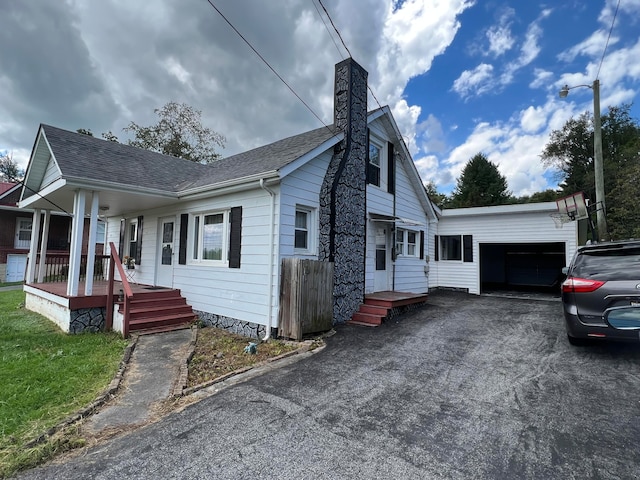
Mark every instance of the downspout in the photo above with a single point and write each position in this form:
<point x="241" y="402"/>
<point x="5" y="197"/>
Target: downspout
<point x="394" y="230"/>
<point x="272" y="194"/>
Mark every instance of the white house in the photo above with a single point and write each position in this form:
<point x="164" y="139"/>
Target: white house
<point x="348" y="193"/>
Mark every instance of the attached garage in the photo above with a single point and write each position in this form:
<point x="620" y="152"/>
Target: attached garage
<point x="521" y="266"/>
<point x="506" y="247"/>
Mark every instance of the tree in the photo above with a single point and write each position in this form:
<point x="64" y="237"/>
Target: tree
<point x="570" y="152"/>
<point x="110" y="136"/>
<point x="9" y="169"/>
<point x="548" y="195"/>
<point x="85" y="131"/>
<point x="437" y="198"/>
<point x="480" y="185"/>
<point x="180" y="133"/>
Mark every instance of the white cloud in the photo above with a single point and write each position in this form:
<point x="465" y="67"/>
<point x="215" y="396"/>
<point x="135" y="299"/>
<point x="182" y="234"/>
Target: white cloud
<point x="541" y="78"/>
<point x="474" y="82"/>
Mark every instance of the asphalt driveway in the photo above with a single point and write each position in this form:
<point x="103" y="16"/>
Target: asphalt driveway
<point x="468" y="387"/>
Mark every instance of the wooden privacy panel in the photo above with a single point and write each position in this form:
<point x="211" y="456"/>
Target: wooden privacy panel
<point x="306" y="297"/>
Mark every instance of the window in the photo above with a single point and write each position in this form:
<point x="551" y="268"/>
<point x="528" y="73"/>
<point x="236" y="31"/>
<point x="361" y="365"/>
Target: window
<point x="100" y="231"/>
<point x="23" y="233"/>
<point x="450" y="247"/>
<point x="303" y="231"/>
<point x="209" y="237"/>
<point x="133" y="239"/>
<point x="407" y="243"/>
<point x="373" y="168"/>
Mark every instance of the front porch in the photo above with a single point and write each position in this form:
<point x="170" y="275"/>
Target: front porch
<point x="147" y="308"/>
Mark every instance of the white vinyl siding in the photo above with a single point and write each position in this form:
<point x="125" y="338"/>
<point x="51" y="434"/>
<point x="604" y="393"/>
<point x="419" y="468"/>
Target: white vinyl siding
<point x="498" y="228"/>
<point x="51" y="174"/>
<point x="409" y="272"/>
<point x="301" y="192"/>
<point x="241" y="293"/>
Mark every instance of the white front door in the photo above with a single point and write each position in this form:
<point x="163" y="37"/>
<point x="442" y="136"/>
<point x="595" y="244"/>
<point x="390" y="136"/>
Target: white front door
<point x="165" y="256"/>
<point x="382" y="259"/>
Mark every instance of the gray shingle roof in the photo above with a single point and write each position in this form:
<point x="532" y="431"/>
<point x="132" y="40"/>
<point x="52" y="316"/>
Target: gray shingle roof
<point x="268" y="158"/>
<point x="95" y="159"/>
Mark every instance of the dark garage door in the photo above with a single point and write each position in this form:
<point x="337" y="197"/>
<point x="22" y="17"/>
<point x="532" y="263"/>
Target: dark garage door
<point x="521" y="266"/>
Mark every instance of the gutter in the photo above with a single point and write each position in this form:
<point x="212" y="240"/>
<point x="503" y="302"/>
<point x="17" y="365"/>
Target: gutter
<point x="272" y="194"/>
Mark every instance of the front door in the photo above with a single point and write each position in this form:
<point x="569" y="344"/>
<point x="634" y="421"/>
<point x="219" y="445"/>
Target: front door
<point x="164" y="269"/>
<point x="383" y="259"/>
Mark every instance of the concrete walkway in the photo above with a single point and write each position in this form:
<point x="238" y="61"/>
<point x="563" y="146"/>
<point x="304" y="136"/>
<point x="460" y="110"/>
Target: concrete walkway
<point x="11" y="287"/>
<point x="151" y="375"/>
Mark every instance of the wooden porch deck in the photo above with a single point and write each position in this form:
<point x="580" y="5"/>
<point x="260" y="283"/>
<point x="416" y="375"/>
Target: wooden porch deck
<point x="98" y="297"/>
<point x="381" y="306"/>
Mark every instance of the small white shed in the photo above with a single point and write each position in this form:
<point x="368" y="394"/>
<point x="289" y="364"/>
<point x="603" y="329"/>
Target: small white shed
<point x="501" y="247"/>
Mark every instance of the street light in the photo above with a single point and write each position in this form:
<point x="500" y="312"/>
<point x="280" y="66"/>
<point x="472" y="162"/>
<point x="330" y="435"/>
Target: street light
<point x="597" y="155"/>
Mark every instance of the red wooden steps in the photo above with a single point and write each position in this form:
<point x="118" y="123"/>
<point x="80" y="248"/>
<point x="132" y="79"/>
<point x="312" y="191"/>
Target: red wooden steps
<point x="158" y="310"/>
<point x="377" y="306"/>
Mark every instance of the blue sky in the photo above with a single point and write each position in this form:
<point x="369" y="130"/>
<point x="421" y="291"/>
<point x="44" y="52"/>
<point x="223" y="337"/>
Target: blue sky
<point x="461" y="76"/>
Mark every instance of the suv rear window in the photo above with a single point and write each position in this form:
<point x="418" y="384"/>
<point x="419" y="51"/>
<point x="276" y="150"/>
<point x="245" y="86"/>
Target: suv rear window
<point x="612" y="264"/>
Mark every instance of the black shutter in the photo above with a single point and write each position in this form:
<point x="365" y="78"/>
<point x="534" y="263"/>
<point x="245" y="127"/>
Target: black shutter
<point x="182" y="248"/>
<point x="436" y="251"/>
<point x="421" y="244"/>
<point x="139" y="242"/>
<point x="467" y="242"/>
<point x="391" y="170"/>
<point x="235" y="237"/>
<point x="123" y="224"/>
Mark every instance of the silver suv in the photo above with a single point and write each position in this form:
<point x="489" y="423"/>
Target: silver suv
<point x="601" y="294"/>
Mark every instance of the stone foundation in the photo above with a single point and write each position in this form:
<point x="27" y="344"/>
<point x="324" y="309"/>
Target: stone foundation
<point x="233" y="325"/>
<point x="87" y="320"/>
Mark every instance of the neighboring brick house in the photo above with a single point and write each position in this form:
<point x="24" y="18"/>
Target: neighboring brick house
<point x="15" y="234"/>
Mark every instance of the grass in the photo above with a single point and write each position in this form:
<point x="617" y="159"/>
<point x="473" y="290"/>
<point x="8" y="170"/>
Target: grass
<point x="9" y="284"/>
<point x="46" y="375"/>
<point x="219" y="352"/>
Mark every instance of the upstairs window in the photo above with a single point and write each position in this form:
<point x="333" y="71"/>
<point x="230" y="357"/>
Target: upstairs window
<point x="373" y="167"/>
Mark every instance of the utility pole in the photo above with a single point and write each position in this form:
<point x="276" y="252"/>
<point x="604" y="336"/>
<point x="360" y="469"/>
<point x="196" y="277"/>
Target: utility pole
<point x="598" y="164"/>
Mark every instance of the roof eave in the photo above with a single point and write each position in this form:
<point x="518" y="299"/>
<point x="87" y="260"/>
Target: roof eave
<point x="207" y="190"/>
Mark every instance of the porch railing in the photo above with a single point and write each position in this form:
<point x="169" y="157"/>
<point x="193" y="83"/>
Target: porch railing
<point x="126" y="292"/>
<point x="56" y="267"/>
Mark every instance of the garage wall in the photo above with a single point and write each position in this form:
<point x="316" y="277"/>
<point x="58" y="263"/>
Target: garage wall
<point x="527" y="223"/>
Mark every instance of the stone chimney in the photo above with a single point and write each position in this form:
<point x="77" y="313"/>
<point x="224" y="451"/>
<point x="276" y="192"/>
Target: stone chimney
<point x="343" y="193"/>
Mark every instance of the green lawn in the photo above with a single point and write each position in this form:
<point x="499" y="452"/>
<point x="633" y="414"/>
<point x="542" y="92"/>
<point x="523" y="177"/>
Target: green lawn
<point x="45" y="376"/>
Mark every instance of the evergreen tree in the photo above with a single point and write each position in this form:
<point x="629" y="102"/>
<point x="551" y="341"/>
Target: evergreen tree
<point x="480" y="185"/>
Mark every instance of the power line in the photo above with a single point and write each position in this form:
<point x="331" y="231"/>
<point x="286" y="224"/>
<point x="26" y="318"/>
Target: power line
<point x="345" y="47"/>
<point x="326" y="28"/>
<point x="267" y="64"/>
<point x="608" y="38"/>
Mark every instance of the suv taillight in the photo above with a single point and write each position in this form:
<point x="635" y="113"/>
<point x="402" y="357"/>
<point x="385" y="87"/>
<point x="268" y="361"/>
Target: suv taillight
<point x="580" y="285"/>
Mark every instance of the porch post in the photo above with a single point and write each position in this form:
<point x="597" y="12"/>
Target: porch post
<point x="75" y="254"/>
<point x="42" y="265"/>
<point x="33" y="245"/>
<point x="91" y="248"/>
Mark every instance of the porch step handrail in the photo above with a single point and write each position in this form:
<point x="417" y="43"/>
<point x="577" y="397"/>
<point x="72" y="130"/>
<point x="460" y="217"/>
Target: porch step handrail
<point x="128" y="293"/>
